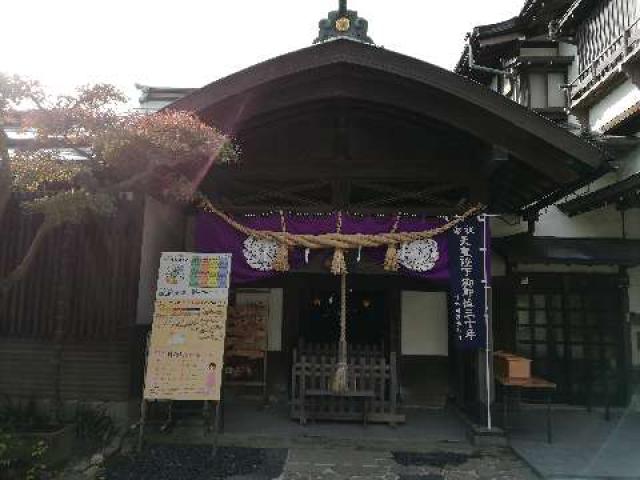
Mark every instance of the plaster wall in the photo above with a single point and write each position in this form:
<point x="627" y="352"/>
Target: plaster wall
<point x="634" y="290"/>
<point x="568" y="50"/>
<point x="538" y="52"/>
<point x="617" y="101"/>
<point x="425" y="326"/>
<point x="632" y="223"/>
<point x="506" y="226"/>
<point x="163" y="231"/>
<point x="635" y="345"/>
<point x="629" y="164"/>
<point x="602" y="223"/>
<point x="498" y="265"/>
<point x="153" y="106"/>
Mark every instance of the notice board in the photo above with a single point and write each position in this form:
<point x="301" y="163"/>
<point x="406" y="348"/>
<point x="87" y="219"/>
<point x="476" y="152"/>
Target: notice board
<point x="186" y="347"/>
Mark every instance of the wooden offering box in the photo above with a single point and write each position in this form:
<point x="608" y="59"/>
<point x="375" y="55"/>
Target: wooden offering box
<point x="508" y="365"/>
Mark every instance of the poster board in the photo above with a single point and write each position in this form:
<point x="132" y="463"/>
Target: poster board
<point x="247" y="344"/>
<point x="186" y="347"/>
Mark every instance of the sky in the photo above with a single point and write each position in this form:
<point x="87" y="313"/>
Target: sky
<point x="190" y="43"/>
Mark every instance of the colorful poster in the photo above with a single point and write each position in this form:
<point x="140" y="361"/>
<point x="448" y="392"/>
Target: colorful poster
<point x="186" y="347"/>
<point x="193" y="275"/>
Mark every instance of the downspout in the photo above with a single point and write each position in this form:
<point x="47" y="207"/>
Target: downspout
<point x="480" y="68"/>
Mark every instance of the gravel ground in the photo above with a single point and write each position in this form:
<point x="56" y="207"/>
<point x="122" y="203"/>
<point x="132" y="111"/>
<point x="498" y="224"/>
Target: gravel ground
<point x="196" y="463"/>
<point x="170" y="462"/>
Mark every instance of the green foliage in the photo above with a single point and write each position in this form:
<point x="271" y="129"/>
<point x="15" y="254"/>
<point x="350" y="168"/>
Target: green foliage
<point x="86" y="150"/>
<point x="37" y="468"/>
<point x="21" y="459"/>
<point x="72" y="207"/>
<point x="22" y="416"/>
<point x="94" y="424"/>
<point x="7" y="458"/>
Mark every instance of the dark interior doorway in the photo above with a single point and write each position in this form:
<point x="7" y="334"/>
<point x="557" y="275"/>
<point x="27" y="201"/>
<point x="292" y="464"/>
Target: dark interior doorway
<point x="367" y="319"/>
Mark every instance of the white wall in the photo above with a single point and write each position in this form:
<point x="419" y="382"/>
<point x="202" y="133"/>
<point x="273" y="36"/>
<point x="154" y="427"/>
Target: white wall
<point x="273" y="297"/>
<point x="615" y="103"/>
<point x="425" y="323"/>
<point x="635" y="345"/>
<point x="163" y="231"/>
<point x="602" y="223"/>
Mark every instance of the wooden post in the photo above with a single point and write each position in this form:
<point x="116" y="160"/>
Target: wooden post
<point x="63" y="307"/>
<point x="394" y="384"/>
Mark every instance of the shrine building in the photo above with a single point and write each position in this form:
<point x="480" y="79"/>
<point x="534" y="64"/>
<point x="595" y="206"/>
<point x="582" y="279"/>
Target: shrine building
<point x="347" y="137"/>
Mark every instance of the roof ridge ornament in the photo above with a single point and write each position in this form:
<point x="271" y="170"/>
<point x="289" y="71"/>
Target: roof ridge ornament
<point x="343" y="23"/>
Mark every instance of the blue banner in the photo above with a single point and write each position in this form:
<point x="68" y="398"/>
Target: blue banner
<point x="469" y="272"/>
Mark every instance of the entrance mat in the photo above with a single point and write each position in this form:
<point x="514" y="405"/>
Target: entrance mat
<point x="160" y="462"/>
<point x="431" y="459"/>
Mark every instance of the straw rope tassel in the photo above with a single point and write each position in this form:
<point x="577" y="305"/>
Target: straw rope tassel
<point x="339" y="264"/>
<point x="339" y="381"/>
<point x="281" y="262"/>
<point x="391" y="257"/>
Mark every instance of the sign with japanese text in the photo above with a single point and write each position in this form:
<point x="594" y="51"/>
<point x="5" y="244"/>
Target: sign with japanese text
<point x="186" y="347"/>
<point x="469" y="280"/>
<point x="192" y="275"/>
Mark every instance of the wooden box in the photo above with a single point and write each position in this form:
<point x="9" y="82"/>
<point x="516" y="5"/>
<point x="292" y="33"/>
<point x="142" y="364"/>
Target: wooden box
<point x="508" y="365"/>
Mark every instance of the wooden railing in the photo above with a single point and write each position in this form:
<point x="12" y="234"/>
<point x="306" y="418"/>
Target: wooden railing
<point x="607" y="61"/>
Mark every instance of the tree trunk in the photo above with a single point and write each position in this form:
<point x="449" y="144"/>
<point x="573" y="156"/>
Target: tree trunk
<point x="25" y="264"/>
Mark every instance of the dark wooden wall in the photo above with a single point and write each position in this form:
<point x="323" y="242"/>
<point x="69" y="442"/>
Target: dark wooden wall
<point x="74" y="310"/>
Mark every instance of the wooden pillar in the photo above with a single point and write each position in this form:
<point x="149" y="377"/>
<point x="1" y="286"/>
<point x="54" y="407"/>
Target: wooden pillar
<point x="63" y="310"/>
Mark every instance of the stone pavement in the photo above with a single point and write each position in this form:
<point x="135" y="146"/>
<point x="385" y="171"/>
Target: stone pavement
<point x="181" y="462"/>
<point x="331" y="464"/>
<point x="585" y="444"/>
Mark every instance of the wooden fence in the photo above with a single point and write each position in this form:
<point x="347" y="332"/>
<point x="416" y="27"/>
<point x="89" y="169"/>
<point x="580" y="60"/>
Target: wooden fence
<point x="366" y="372"/>
<point x="83" y="284"/>
<point x="65" y="329"/>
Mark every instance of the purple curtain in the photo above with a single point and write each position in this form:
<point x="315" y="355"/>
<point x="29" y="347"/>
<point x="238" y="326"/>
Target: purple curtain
<point x="213" y="235"/>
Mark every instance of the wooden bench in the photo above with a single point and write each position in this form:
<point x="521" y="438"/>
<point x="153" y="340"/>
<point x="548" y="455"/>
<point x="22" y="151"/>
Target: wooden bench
<point x="364" y="395"/>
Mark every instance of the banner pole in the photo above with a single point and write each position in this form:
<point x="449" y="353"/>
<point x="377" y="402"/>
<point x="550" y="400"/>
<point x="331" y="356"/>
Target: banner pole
<point x="487" y="330"/>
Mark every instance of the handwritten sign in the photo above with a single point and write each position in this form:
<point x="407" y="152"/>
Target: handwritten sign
<point x="186" y="348"/>
<point x="467" y="273"/>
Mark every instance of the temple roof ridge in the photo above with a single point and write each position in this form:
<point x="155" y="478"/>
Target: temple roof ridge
<point x="343" y="23"/>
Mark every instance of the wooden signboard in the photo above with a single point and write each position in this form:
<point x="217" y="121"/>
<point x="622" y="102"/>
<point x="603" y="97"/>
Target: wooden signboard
<point x="186" y="347"/>
<point x="185" y="357"/>
<point x="246" y="345"/>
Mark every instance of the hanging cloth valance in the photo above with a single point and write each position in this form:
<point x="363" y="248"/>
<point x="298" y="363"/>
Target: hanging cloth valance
<point x="339" y="240"/>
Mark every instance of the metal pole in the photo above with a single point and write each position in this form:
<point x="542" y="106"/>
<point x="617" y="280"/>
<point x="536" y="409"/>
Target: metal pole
<point x="483" y="219"/>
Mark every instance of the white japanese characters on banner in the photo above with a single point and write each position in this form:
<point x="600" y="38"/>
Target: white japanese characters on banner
<point x="186" y="348"/>
<point x="469" y="279"/>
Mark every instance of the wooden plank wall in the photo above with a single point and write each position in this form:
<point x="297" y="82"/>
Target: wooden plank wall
<point x="96" y="371"/>
<point x="89" y="312"/>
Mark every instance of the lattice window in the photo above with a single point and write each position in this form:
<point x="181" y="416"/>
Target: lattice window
<point x="573" y="335"/>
